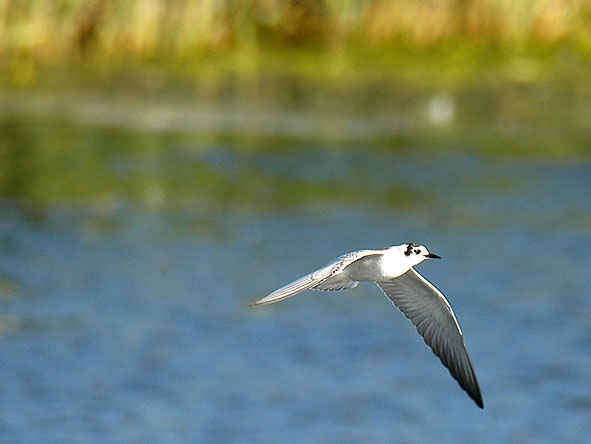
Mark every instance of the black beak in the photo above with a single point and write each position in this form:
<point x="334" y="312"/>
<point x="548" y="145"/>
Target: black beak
<point x="432" y="256"/>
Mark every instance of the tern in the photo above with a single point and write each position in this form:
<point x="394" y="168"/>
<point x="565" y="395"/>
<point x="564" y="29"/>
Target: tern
<point x="426" y="307"/>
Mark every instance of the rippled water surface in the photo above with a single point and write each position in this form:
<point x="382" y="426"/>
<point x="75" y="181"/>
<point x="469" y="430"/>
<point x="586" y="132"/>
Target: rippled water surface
<point x="127" y="262"/>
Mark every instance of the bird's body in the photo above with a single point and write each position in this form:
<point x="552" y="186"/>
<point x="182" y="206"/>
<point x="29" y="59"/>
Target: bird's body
<point x="426" y="307"/>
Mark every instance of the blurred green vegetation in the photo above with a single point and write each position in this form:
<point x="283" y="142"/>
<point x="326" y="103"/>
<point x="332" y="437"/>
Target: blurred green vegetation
<point x="239" y="35"/>
<point x="100" y="97"/>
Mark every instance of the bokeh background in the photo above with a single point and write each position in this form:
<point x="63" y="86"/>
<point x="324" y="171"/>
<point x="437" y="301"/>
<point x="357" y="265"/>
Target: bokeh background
<point x="164" y="163"/>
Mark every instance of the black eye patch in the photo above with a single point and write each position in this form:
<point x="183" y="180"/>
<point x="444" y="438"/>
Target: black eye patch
<point x="409" y="249"/>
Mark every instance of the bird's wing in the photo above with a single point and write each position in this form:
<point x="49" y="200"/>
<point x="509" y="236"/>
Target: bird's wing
<point x="434" y="319"/>
<point x="315" y="279"/>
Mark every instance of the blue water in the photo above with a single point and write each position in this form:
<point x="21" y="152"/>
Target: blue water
<point x="128" y="321"/>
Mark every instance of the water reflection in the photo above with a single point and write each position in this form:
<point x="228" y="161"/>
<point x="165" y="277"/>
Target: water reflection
<point x="104" y="166"/>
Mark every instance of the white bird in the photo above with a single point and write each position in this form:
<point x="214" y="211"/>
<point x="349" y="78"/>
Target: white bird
<point x="426" y="307"/>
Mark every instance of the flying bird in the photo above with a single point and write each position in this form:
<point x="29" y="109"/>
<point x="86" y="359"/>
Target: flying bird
<point x="426" y="307"/>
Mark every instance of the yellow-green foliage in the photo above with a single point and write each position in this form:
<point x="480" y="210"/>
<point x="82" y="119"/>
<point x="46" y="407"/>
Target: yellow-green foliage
<point x="51" y="31"/>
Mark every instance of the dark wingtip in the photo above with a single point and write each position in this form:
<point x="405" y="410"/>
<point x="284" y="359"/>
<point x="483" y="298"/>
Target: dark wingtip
<point x="474" y="393"/>
<point x="478" y="400"/>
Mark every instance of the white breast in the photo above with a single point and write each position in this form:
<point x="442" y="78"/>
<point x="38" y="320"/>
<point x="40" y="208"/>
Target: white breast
<point x="377" y="267"/>
<point x="394" y="263"/>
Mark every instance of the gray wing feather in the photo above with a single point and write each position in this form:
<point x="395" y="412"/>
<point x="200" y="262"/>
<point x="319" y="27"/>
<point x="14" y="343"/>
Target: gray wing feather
<point x="431" y="314"/>
<point x="315" y="279"/>
<point x="330" y="285"/>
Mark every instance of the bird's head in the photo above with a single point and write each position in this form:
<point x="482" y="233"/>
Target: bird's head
<point x="417" y="253"/>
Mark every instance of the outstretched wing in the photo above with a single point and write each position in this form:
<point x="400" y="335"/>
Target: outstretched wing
<point x="434" y="319"/>
<point x="317" y="278"/>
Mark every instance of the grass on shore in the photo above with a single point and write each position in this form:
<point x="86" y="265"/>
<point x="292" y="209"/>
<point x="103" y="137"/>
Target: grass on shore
<point x="191" y="33"/>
